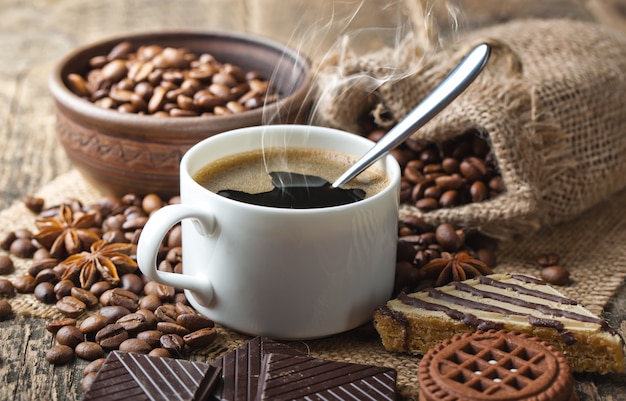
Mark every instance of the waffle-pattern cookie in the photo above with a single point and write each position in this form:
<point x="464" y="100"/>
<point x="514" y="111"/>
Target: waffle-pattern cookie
<point x="415" y="322"/>
<point x="495" y="366"/>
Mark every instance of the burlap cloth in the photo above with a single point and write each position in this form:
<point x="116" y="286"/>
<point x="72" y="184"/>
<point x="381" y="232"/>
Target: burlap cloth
<point x="549" y="102"/>
<point x="591" y="247"/>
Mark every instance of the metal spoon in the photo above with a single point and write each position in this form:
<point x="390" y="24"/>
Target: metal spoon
<point x="451" y="87"/>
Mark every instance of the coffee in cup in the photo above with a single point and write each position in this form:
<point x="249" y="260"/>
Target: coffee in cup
<point x="293" y="177"/>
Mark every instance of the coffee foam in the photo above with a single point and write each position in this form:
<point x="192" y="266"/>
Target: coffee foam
<point x="249" y="171"/>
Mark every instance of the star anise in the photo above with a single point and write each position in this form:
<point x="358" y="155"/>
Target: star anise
<point x="106" y="261"/>
<point x="454" y="267"/>
<point x="66" y="234"/>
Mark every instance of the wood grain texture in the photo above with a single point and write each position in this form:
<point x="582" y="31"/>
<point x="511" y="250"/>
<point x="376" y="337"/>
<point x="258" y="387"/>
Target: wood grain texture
<point x="36" y="33"/>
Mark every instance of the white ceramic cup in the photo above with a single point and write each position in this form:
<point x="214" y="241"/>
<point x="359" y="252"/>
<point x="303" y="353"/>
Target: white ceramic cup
<point x="283" y="273"/>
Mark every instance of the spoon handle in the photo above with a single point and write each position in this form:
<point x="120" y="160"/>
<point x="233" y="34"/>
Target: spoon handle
<point x="451" y="87"/>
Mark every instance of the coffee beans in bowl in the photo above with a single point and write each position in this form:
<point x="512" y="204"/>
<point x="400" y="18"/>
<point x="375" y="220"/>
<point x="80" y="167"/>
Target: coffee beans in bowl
<point x="129" y="107"/>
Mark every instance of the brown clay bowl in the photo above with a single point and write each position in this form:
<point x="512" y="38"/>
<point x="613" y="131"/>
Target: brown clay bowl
<point x="123" y="153"/>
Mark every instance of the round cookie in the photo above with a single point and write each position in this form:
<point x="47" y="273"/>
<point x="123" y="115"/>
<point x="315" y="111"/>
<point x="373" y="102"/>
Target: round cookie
<point x="497" y="366"/>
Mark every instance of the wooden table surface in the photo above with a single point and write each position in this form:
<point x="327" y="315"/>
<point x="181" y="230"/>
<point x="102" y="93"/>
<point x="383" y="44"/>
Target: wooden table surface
<point x="36" y="33"/>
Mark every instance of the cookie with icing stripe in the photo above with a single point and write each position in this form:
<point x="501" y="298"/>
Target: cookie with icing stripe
<point x="415" y="322"/>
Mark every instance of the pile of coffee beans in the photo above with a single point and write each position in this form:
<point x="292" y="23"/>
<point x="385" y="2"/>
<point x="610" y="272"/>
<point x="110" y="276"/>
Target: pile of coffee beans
<point x="168" y="81"/>
<point x="134" y="314"/>
<point x="552" y="271"/>
<point x="453" y="173"/>
<point x="420" y="242"/>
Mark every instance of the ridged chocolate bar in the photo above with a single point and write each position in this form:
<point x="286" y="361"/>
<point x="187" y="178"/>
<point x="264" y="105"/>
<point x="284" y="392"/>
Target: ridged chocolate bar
<point x="241" y="368"/>
<point x="134" y="377"/>
<point x="293" y="377"/>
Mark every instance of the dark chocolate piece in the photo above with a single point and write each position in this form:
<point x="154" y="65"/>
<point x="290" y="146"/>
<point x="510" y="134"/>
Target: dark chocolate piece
<point x="134" y="377"/>
<point x="294" y="377"/>
<point x="241" y="368"/>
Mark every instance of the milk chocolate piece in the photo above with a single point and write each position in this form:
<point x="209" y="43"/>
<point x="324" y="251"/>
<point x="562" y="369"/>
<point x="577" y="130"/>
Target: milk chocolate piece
<point x="293" y="377"/>
<point x="241" y="368"/>
<point x="134" y="377"/>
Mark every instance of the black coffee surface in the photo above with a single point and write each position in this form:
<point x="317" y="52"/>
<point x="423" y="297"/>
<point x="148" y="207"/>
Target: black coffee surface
<point x="298" y="191"/>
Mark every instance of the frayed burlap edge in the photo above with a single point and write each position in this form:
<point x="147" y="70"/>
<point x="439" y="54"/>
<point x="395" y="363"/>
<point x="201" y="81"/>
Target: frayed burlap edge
<point x="590" y="247"/>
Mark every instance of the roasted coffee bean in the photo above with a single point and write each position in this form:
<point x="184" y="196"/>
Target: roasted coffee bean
<point x="172" y="328"/>
<point x="478" y="191"/>
<point x="556" y="275"/>
<point x="183" y="308"/>
<point x="114" y="236"/>
<point x="487" y="256"/>
<point x="60" y="354"/>
<point x="7" y="240"/>
<point x="44" y="292"/>
<point x="93" y="324"/>
<point x="174" y="237"/>
<point x="449" y="198"/>
<point x="6" y="265"/>
<point x="133" y="322"/>
<point x="98" y="288"/>
<point x="94" y="366"/>
<point x="166" y="313"/>
<point x="47" y="276"/>
<point x="70" y="336"/>
<point x="7" y="290"/>
<point x="125" y="298"/>
<point x="111" y="336"/>
<point x="200" y="338"/>
<point x="173" y="343"/>
<point x="105" y="297"/>
<point x="87" y="381"/>
<point x="63" y="288"/>
<point x="193" y="321"/>
<point x="151" y="203"/>
<point x="70" y="306"/>
<point x="89" y="350"/>
<point x="180" y="298"/>
<point x="548" y="259"/>
<point x="427" y="204"/>
<point x="131" y="282"/>
<point x="53" y="326"/>
<point x="150" y="302"/>
<point x="41" y="253"/>
<point x="160" y="353"/>
<point x="33" y="203"/>
<point x="113" y="313"/>
<point x="135" y="345"/>
<point x="174" y="255"/>
<point x="22" y="248"/>
<point x="448" y="238"/>
<point x="85" y="296"/>
<point x="166" y="292"/>
<point x="5" y="309"/>
<point x="151" y="319"/>
<point x="152" y="337"/>
<point x="113" y="223"/>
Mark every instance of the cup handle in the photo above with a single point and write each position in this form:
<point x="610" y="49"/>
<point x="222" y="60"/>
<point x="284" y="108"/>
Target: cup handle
<point x="150" y="240"/>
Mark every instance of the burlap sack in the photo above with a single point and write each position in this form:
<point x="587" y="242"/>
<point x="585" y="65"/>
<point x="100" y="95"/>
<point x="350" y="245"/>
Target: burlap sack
<point x="550" y="101"/>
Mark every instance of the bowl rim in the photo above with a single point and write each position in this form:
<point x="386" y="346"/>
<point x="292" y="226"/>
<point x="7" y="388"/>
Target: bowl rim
<point x="80" y="106"/>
